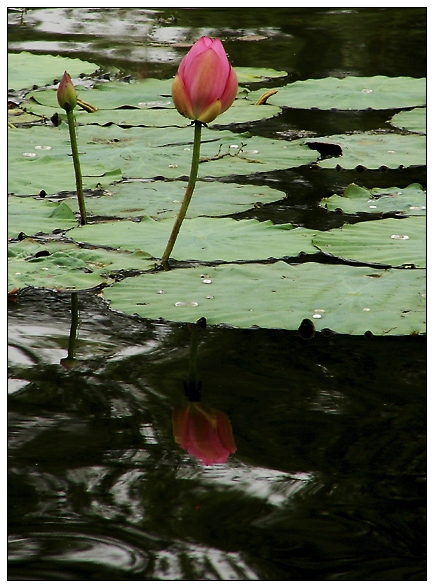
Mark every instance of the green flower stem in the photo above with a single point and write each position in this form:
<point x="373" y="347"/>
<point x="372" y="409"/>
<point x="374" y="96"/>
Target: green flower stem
<point x="188" y="192"/>
<point x="77" y="169"/>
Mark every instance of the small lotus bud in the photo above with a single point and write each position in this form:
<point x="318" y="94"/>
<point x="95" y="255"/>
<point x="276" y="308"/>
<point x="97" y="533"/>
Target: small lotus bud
<point x="66" y="95"/>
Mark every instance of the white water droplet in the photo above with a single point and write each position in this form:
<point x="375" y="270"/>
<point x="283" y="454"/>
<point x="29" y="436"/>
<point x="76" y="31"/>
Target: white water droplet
<point x="372" y="206"/>
<point x="186" y="304"/>
<point x="172" y="165"/>
<point x="403" y="237"/>
<point x="210" y="297"/>
<point x="43" y="147"/>
<point x="317" y="316"/>
<point x="161" y="292"/>
<point x="29" y="154"/>
<point x="207" y="281"/>
<point x="233" y="147"/>
<point x="366" y="91"/>
<point x="366" y="309"/>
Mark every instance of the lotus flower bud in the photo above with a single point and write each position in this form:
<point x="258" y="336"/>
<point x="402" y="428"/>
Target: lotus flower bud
<point x="66" y="95"/>
<point x="206" y="84"/>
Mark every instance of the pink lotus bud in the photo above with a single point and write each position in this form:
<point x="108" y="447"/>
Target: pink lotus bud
<point x="206" y="433"/>
<point x="206" y="84"/>
<point x="66" y="95"/>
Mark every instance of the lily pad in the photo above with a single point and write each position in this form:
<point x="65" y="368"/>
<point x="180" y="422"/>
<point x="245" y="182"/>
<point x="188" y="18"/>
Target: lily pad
<point x="141" y="103"/>
<point x="391" y="241"/>
<point x="351" y="93"/>
<point x="65" y="266"/>
<point x="346" y="299"/>
<point x="410" y="120"/>
<point x="26" y="69"/>
<point x="39" y="157"/>
<point x="29" y="216"/>
<point x="163" y="199"/>
<point x="372" y="151"/>
<point x="409" y="201"/>
<point x="205" y="239"/>
<point x="144" y="153"/>
<point x="248" y="75"/>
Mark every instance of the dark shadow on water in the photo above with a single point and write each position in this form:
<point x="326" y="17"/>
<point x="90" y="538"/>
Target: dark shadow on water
<point x="327" y="481"/>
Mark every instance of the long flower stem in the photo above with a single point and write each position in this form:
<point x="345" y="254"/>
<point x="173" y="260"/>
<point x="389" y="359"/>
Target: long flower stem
<point x="77" y="169"/>
<point x="188" y="192"/>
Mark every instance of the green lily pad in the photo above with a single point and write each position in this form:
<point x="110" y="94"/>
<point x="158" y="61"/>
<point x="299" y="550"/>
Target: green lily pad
<point x="26" y="69"/>
<point x="351" y="93"/>
<point x="144" y="153"/>
<point x="140" y="103"/>
<point x="391" y="241"/>
<point x="163" y="199"/>
<point x="39" y="158"/>
<point x="205" y="239"/>
<point x="410" y="120"/>
<point x="241" y="111"/>
<point x="141" y="94"/>
<point x="248" y="75"/>
<point x="65" y="266"/>
<point x="19" y="116"/>
<point x="409" y="201"/>
<point x="349" y="300"/>
<point x="372" y="150"/>
<point x="30" y="216"/>
<point x="109" y="153"/>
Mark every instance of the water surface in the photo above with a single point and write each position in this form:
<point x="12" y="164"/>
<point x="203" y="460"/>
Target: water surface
<point x="329" y="478"/>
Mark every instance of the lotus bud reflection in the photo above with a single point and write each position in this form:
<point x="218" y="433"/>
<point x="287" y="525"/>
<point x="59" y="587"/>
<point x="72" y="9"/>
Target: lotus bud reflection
<point x="66" y="95"/>
<point x="206" y="84"/>
<point x="206" y="433"/>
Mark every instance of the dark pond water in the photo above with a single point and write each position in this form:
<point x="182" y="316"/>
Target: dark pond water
<point x="328" y="481"/>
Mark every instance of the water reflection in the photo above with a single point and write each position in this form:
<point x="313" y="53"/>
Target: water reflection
<point x="206" y="433"/>
<point x="69" y="361"/>
<point x="327" y="481"/>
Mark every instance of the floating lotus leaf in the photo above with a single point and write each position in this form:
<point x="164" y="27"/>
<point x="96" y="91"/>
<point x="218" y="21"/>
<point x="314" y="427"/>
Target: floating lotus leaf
<point x="349" y="300"/>
<point x="163" y="199"/>
<point x="205" y="239"/>
<point x="351" y="93"/>
<point x="61" y="266"/>
<point x="410" y="120"/>
<point x="26" y="69"/>
<point x="141" y="94"/>
<point x="409" y="201"/>
<point x="30" y="216"/>
<point x="139" y="103"/>
<point x="39" y="158"/>
<point x="373" y="150"/>
<point x="247" y="75"/>
<point x="109" y="153"/>
<point x="19" y="116"/>
<point x="390" y="241"/>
